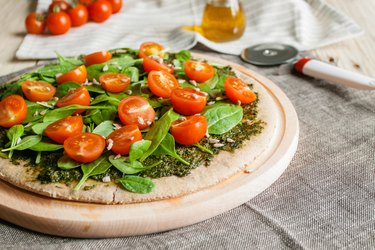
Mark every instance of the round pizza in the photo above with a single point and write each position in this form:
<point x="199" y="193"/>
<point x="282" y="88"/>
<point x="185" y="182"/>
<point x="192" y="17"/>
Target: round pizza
<point x="126" y="126"/>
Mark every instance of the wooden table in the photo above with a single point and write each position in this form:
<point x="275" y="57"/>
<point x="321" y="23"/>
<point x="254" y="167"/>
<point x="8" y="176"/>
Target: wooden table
<point x="357" y="54"/>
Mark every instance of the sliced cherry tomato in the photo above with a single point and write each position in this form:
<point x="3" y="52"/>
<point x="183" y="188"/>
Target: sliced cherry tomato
<point x="78" y="96"/>
<point x="198" y="71"/>
<point x="78" y="75"/>
<point x="121" y="139"/>
<point x="135" y="110"/>
<point x="188" y="101"/>
<point x="13" y="110"/>
<point x="98" y="57"/>
<point x="100" y="10"/>
<point x="114" y="82"/>
<point x="150" y="48"/>
<point x="189" y="131"/>
<point x="238" y="91"/>
<point x="162" y="83"/>
<point x="62" y="5"/>
<point x="78" y="14"/>
<point x="36" y="91"/>
<point x="116" y="5"/>
<point x="58" y="23"/>
<point x="62" y="129"/>
<point x="150" y="64"/>
<point x="84" y="147"/>
<point x="35" y="23"/>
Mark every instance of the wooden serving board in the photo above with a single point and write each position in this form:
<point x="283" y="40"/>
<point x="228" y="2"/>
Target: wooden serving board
<point x="83" y="220"/>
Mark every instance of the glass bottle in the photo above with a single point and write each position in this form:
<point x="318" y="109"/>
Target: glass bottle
<point x="223" y="20"/>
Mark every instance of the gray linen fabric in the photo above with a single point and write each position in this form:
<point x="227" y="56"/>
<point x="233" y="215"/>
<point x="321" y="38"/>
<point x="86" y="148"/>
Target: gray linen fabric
<point x="324" y="200"/>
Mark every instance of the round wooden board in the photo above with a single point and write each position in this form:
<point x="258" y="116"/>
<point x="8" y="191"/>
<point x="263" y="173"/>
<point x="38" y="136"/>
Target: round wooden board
<point x="83" y="220"/>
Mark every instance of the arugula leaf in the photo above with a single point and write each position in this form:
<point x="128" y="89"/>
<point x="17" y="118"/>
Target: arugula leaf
<point x="99" y="166"/>
<point x="104" y="129"/>
<point x="26" y="142"/>
<point x="167" y="147"/>
<point x="64" y="88"/>
<point x="158" y="131"/>
<point x="137" y="149"/>
<point x="67" y="163"/>
<point x="137" y="184"/>
<point x="222" y="117"/>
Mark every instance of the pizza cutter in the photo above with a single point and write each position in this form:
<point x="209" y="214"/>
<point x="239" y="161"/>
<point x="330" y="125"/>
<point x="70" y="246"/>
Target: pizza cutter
<point x="272" y="54"/>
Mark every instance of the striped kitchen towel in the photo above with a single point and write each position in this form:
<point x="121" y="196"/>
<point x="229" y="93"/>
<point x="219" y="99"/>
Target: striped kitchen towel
<point x="305" y="24"/>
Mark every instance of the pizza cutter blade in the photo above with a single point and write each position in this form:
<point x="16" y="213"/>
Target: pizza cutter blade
<point x="272" y="54"/>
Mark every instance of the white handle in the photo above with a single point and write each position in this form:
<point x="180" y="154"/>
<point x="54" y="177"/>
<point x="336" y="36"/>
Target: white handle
<point x="325" y="71"/>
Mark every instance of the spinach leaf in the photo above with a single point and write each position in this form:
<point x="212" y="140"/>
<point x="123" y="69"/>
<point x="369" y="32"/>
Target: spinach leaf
<point x="64" y="65"/>
<point x="126" y="167"/>
<point x="105" y="98"/>
<point x="183" y="55"/>
<point x="96" y="70"/>
<point x="40" y="127"/>
<point x="137" y="184"/>
<point x="97" y="116"/>
<point x="95" y="89"/>
<point x="60" y="113"/>
<point x="26" y="142"/>
<point x="64" y="88"/>
<point x="99" y="166"/>
<point x="14" y="134"/>
<point x="222" y="117"/>
<point x="132" y="72"/>
<point x="104" y="128"/>
<point x="138" y="148"/>
<point x="158" y="131"/>
<point x="33" y="112"/>
<point x="167" y="147"/>
<point x="46" y="146"/>
<point x="67" y="163"/>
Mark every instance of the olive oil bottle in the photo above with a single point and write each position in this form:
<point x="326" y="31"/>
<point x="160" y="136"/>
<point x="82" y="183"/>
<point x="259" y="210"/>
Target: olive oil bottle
<point x="223" y="20"/>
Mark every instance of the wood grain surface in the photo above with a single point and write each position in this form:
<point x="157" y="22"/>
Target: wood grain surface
<point x="75" y="219"/>
<point x="356" y="54"/>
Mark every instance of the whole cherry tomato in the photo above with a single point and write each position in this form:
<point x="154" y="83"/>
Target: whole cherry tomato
<point x="198" y="71"/>
<point x="13" y="110"/>
<point x="190" y="130"/>
<point x="78" y="96"/>
<point x="35" y="23"/>
<point x="100" y="10"/>
<point x="238" y="91"/>
<point x="121" y="139"/>
<point x="58" y="23"/>
<point x="188" y="101"/>
<point x="62" y="129"/>
<point x="149" y="49"/>
<point x="162" y="83"/>
<point x="136" y="110"/>
<point x="151" y="63"/>
<point x="114" y="82"/>
<point x="97" y="57"/>
<point x="37" y="91"/>
<point x="116" y="5"/>
<point x="86" y="2"/>
<point x="62" y="6"/>
<point x="84" y="147"/>
<point x="78" y="14"/>
<point x="78" y="75"/>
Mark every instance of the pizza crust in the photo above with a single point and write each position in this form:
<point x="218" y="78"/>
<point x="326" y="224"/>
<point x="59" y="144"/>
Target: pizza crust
<point x="224" y="166"/>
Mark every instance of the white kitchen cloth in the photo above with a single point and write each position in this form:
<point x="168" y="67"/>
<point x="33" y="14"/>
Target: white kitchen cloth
<point x="305" y="24"/>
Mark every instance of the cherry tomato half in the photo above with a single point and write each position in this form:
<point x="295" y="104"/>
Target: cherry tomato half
<point x="78" y="14"/>
<point x="100" y="10"/>
<point x="78" y="96"/>
<point x="98" y="57"/>
<point x="84" y="147"/>
<point x="36" y="91"/>
<point x="135" y="110"/>
<point x="78" y="75"/>
<point x="114" y="82"/>
<point x="58" y="23"/>
<point x="237" y="90"/>
<point x="188" y="101"/>
<point x="13" y="110"/>
<point x="162" y="83"/>
<point x="35" y="23"/>
<point x="62" y="6"/>
<point x="116" y="5"/>
<point x="150" y="48"/>
<point x="189" y="131"/>
<point x="121" y="139"/>
<point x="150" y="64"/>
<point x="198" y="71"/>
<point x="64" y="128"/>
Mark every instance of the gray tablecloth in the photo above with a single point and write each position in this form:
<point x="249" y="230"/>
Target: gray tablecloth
<point x="324" y="200"/>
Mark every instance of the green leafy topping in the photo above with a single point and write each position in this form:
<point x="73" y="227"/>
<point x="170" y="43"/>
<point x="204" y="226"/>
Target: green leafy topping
<point x="222" y="117"/>
<point x="137" y="184"/>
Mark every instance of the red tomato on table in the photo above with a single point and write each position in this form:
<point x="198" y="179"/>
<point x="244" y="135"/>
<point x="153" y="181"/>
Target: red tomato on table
<point x="116" y="5"/>
<point x="78" y="14"/>
<point x="35" y="23"/>
<point x="100" y="10"/>
<point x="60" y="4"/>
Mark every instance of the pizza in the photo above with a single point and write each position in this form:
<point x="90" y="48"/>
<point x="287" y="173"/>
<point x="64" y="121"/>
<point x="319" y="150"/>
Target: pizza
<point x="127" y="126"/>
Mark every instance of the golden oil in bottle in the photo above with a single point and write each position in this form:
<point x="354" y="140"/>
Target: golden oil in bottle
<point x="223" y="20"/>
